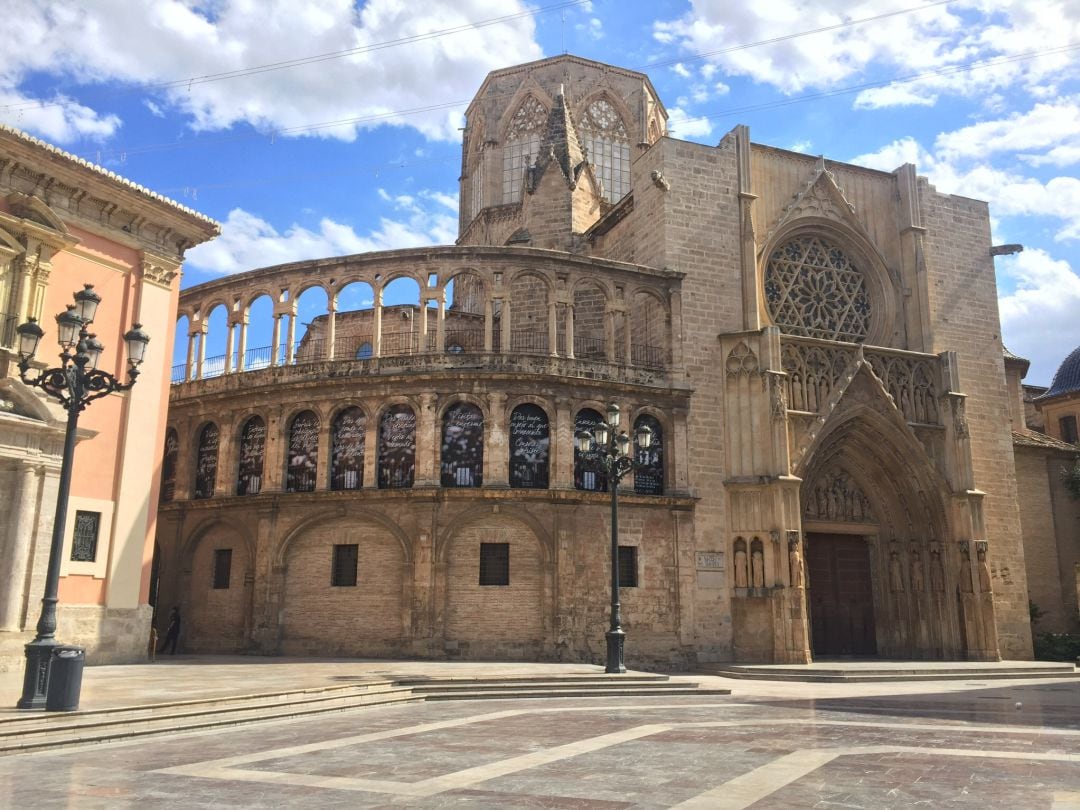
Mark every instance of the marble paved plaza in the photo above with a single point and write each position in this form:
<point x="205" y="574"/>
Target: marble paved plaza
<point x="1013" y="745"/>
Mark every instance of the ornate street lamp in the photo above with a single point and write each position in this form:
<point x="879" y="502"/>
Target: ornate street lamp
<point x="75" y="383"/>
<point x="605" y="450"/>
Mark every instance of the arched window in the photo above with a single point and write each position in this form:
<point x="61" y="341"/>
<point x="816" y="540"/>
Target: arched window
<point x="607" y="145"/>
<point x="813" y="289"/>
<point x="649" y="478"/>
<point x="530" y="447"/>
<point x="303" y="452"/>
<point x="462" y="455"/>
<point x="397" y="448"/>
<point x="252" y="453"/>
<point x="522" y="142"/>
<point x="347" y="449"/>
<point x="365" y="351"/>
<point x="206" y="461"/>
<point x="587" y="419"/>
<point x="168" y="466"/>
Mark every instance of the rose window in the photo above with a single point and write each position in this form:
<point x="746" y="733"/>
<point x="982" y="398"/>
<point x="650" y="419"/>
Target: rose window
<point x="813" y="289"/>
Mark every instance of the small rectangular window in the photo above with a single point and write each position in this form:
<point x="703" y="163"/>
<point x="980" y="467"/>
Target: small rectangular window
<point x="222" y="568"/>
<point x="1068" y="429"/>
<point x="346" y="557"/>
<point x="494" y="563"/>
<point x="628" y="567"/>
<point x="85" y="540"/>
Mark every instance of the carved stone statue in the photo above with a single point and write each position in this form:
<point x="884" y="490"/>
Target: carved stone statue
<point x="896" y="572"/>
<point x="937" y="572"/>
<point x="757" y="564"/>
<point x="984" y="571"/>
<point x="740" y="568"/>
<point x="965" y="571"/>
<point x="795" y="563"/>
<point x="917" y="579"/>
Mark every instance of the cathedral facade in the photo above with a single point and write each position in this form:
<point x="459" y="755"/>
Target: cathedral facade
<point x="814" y="345"/>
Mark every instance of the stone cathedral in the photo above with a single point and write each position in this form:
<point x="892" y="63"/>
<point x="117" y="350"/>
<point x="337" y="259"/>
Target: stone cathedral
<point x="814" y="345"/>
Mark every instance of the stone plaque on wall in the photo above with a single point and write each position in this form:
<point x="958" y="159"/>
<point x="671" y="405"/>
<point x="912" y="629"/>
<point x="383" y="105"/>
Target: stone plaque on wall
<point x="710" y="561"/>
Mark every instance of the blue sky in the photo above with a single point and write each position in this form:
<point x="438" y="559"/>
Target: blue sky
<point x="358" y="148"/>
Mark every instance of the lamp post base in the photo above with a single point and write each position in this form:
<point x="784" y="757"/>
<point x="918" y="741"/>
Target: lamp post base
<point x="36" y="676"/>
<point x="615" y="643"/>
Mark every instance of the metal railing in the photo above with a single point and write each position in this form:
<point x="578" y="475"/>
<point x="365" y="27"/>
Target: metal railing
<point x="406" y="344"/>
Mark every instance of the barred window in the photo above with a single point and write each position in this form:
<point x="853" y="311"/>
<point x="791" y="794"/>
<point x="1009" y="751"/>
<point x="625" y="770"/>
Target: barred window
<point x="168" y="466"/>
<point x="222" y="568"/>
<point x="607" y="146"/>
<point x="85" y="540"/>
<point x="494" y="563"/>
<point x="347" y="449"/>
<point x="530" y="447"/>
<point x="252" y="451"/>
<point x="303" y="453"/>
<point x="206" y="461"/>
<point x="649" y="477"/>
<point x="813" y="289"/>
<point x="628" y="577"/>
<point x="462" y="456"/>
<point x="522" y="142"/>
<point x="344" y="565"/>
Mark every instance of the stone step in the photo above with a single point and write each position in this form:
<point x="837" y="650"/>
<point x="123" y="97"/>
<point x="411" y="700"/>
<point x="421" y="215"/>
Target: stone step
<point x="20" y="733"/>
<point x="912" y="673"/>
<point x="642" y="677"/>
<point x="681" y="690"/>
<point x="120" y="729"/>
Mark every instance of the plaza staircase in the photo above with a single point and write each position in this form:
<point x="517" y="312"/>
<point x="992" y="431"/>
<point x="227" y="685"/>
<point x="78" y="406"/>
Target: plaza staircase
<point x="880" y="671"/>
<point x="24" y="732"/>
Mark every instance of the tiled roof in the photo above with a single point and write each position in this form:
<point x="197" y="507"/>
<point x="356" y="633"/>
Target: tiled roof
<point x="1067" y="377"/>
<point x="86" y="164"/>
<point x="1042" y="441"/>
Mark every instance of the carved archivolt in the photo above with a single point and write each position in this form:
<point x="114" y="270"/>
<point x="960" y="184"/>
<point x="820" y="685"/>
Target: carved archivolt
<point x="813" y="289"/>
<point x="813" y="372"/>
<point x="911" y="382"/>
<point x="836" y="497"/>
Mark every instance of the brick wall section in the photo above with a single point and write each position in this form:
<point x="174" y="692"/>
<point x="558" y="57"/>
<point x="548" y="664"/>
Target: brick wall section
<point x="1040" y="546"/>
<point x="321" y="619"/>
<point x="962" y="293"/>
<point x="490" y="620"/>
<point x="212" y="620"/>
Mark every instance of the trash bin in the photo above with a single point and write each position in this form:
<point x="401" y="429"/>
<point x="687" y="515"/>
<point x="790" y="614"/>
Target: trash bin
<point x="65" y="679"/>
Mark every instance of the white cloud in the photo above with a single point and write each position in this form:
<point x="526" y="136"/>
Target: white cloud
<point x="1044" y="125"/>
<point x="1038" y="319"/>
<point x="932" y="42"/>
<point x="248" y="241"/>
<point x="165" y="40"/>
<point x="683" y="125"/>
<point x="63" y="121"/>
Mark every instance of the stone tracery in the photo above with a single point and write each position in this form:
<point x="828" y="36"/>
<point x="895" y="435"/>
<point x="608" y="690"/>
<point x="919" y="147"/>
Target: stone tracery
<point x="813" y="289"/>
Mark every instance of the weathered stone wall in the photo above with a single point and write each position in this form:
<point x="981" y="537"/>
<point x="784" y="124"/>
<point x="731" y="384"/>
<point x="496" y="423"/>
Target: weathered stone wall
<point x="962" y="294"/>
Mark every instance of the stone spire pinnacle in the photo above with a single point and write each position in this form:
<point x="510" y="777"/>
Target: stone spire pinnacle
<point x="560" y="145"/>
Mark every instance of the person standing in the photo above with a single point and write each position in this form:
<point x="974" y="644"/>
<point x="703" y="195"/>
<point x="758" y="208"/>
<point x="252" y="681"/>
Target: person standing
<point x="172" y="632"/>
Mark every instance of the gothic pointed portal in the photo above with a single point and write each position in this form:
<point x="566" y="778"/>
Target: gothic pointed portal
<point x="883" y="575"/>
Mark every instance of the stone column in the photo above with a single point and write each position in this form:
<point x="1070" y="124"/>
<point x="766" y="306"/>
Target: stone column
<point x="189" y="363"/>
<point x="376" y="336"/>
<point x="440" y="329"/>
<point x="496" y="445"/>
<point x="505" y="348"/>
<point x="331" y="328"/>
<point x="230" y="342"/>
<point x="290" y="347"/>
<point x="241" y="349"/>
<point x="17" y="556"/>
<point x="676" y="454"/>
<point x="322" y="458"/>
<point x="628" y="357"/>
<point x="426" y="442"/>
<point x="570" y="331"/>
<point x="609" y="335"/>
<point x="423" y="326"/>
<point x="562" y="445"/>
<point x="203" y="329"/>
<point x="489" y="326"/>
<point x="371" y="448"/>
<point x="275" y="340"/>
<point x="553" y="329"/>
<point x="674" y="338"/>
